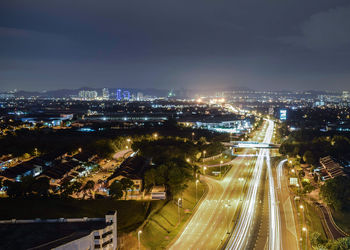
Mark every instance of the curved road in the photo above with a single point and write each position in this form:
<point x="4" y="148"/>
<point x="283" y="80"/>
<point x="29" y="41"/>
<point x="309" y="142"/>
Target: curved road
<point x="213" y="218"/>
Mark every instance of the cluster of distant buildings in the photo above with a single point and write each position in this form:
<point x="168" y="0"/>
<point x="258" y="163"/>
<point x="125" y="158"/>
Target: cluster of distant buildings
<point x="119" y="95"/>
<point x="58" y="168"/>
<point x="342" y="100"/>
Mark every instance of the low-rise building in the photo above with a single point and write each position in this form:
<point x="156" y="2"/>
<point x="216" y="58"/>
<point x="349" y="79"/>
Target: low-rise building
<point x="331" y="169"/>
<point x="158" y="193"/>
<point x="133" y="169"/>
<point x="62" y="234"/>
<point x="28" y="168"/>
<point x="59" y="172"/>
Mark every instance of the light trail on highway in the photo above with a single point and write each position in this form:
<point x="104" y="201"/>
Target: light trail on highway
<point x="280" y="173"/>
<point x="240" y="236"/>
<point x="274" y="213"/>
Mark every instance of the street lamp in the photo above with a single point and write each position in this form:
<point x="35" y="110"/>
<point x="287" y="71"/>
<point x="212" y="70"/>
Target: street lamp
<point x="155" y="135"/>
<point x="204" y="152"/>
<point x="138" y="237"/>
<point x="178" y="209"/>
<point x="304" y="229"/>
<point x="220" y="167"/>
<point x="192" y="136"/>
<point x="196" y="189"/>
<point x="188" y="160"/>
<point x="204" y="168"/>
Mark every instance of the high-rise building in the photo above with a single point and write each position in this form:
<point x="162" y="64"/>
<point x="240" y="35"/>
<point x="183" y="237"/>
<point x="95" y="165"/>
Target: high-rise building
<point x="283" y="114"/>
<point x="346" y="95"/>
<point x="105" y="94"/>
<point x="139" y="96"/>
<point x="119" y="94"/>
<point x="126" y="95"/>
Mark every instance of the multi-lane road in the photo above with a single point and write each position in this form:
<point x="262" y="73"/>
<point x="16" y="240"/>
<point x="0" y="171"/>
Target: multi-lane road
<point x="251" y="195"/>
<point x="244" y="232"/>
<point x="209" y="226"/>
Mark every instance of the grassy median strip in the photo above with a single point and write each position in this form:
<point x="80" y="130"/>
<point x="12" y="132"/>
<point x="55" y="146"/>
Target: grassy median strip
<point x="165" y="224"/>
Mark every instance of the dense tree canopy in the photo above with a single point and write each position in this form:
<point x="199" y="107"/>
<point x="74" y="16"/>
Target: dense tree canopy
<point x="336" y="192"/>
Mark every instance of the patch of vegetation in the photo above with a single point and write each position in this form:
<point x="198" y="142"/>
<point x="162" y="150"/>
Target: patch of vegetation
<point x="164" y="225"/>
<point x="336" y="192"/>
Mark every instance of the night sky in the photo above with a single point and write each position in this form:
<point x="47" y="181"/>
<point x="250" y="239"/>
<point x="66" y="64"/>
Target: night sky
<point x="259" y="44"/>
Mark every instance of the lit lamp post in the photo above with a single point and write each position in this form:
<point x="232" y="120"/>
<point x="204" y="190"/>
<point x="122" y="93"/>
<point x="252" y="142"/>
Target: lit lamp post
<point x="204" y="152"/>
<point x="192" y="136"/>
<point x="155" y="135"/>
<point x="128" y="142"/>
<point x="196" y="189"/>
<point x="178" y="209"/>
<point x="139" y="238"/>
<point x="220" y="167"/>
<point x="302" y="208"/>
<point x="204" y="168"/>
<point x="305" y="230"/>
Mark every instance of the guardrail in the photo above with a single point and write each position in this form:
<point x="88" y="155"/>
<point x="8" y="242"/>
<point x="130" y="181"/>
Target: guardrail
<point x="212" y="157"/>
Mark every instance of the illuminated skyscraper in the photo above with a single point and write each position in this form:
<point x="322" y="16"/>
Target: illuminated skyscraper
<point x="119" y="94"/>
<point x="126" y="95"/>
<point x="105" y="94"/>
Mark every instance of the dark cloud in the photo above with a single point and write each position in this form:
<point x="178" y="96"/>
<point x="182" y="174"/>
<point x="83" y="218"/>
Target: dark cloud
<point x="194" y="43"/>
<point x="326" y="30"/>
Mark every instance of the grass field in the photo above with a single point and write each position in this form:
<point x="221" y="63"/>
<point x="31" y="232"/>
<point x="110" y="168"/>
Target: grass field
<point x="165" y="224"/>
<point x="131" y="214"/>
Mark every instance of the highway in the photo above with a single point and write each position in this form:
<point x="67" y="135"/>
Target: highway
<point x="234" y="203"/>
<point x="242" y="235"/>
<point x="209" y="226"/>
<point x="214" y="216"/>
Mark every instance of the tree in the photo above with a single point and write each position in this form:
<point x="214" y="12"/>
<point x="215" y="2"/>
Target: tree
<point x="41" y="186"/>
<point x="14" y="189"/>
<point x="150" y="177"/>
<point x="338" y="244"/>
<point x="27" y="183"/>
<point x="316" y="239"/>
<point x="336" y="192"/>
<point x="89" y="185"/>
<point x="69" y="188"/>
<point x="177" y="180"/>
<point x="116" y="190"/>
<point x="309" y="157"/>
<point x="127" y="184"/>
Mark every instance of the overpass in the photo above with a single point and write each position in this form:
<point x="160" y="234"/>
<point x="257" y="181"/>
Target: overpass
<point x="250" y="144"/>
